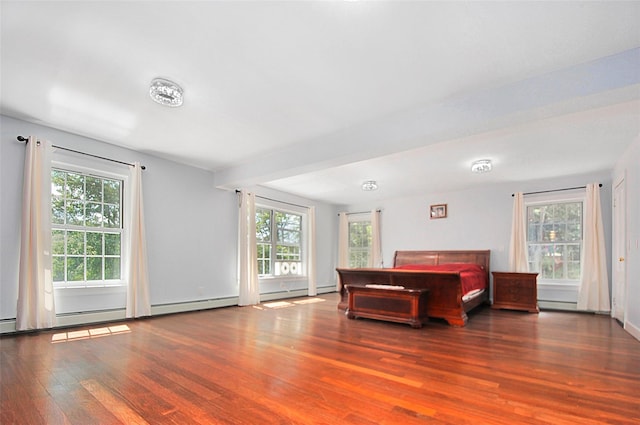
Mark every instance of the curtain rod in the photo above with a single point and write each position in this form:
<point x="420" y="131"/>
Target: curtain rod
<point x="277" y="200"/>
<point x="556" y="190"/>
<point x="24" y="139"/>
<point x="360" y="212"/>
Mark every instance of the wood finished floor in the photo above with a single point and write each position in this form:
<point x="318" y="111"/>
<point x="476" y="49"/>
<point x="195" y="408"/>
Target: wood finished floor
<point x="309" y="364"/>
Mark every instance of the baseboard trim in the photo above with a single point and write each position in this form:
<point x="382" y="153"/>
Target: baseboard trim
<point x="8" y="326"/>
<point x="557" y="305"/>
<point x="162" y="309"/>
<point x="632" y="329"/>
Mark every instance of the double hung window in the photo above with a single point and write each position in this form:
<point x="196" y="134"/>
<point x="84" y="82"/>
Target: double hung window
<point x="359" y="243"/>
<point x="279" y="243"/>
<point x="554" y="240"/>
<point x="87" y="230"/>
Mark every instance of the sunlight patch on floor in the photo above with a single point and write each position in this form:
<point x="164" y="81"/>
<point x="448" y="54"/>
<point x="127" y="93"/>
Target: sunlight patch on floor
<point x="285" y="304"/>
<point x="89" y="333"/>
<point x="309" y="301"/>
<point x="278" y="304"/>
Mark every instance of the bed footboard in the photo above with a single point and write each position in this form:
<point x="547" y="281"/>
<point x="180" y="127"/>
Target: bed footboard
<point x="444" y="300"/>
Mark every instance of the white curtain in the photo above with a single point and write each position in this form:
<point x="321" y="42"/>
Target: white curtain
<point x="594" y="287"/>
<point x="343" y="244"/>
<point x="138" y="299"/>
<point x="518" y="246"/>
<point x="375" y="260"/>
<point x="249" y="290"/>
<point x="36" y="306"/>
<point x="311" y="257"/>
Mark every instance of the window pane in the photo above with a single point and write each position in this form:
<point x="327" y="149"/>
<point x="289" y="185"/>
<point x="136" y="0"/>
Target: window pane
<point x="112" y="244"/>
<point x="58" y="269"/>
<point x="112" y="192"/>
<point x="264" y="259"/>
<point x="94" y="268"/>
<point x="75" y="243"/>
<point x="94" y="214"/>
<point x="111" y="216"/>
<point x="94" y="243"/>
<point x="288" y="228"/>
<point x="75" y="269"/>
<point x="288" y="252"/>
<point x="263" y="225"/>
<point x="57" y="210"/>
<point x="57" y="183"/>
<point x="573" y="271"/>
<point x="75" y="213"/>
<point x="358" y="258"/>
<point x="112" y="268"/>
<point x="57" y="242"/>
<point x="94" y="189"/>
<point x="75" y="186"/>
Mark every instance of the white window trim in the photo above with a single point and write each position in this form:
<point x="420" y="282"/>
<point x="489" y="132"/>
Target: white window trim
<point x="355" y="218"/>
<point x="70" y="161"/>
<point x="577" y="195"/>
<point x="288" y="208"/>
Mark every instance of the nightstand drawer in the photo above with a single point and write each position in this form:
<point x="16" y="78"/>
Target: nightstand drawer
<point x="515" y="291"/>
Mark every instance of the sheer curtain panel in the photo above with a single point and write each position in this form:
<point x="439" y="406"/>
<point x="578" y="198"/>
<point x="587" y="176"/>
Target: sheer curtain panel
<point x="518" y="261"/>
<point x="594" y="287"/>
<point x="36" y="306"/>
<point x="138" y="299"/>
<point x="376" y="242"/>
<point x="249" y="289"/>
<point x="311" y="256"/>
<point x="343" y="243"/>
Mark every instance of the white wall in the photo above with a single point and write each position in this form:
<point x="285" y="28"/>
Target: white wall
<point x="629" y="167"/>
<point x="191" y="226"/>
<point x="476" y="218"/>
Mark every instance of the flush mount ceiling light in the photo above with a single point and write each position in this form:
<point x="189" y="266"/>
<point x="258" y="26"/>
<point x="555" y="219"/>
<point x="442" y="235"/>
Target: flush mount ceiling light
<point x="369" y="185"/>
<point x="481" y="166"/>
<point x="166" y="92"/>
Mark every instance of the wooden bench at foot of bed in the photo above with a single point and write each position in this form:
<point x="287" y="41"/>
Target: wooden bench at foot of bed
<point x="390" y="303"/>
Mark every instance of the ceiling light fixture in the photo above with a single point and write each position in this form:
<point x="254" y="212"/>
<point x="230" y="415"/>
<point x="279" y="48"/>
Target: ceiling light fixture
<point x="166" y="92"/>
<point x="481" y="166"/>
<point x="369" y="185"/>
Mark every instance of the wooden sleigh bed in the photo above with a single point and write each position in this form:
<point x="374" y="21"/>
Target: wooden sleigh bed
<point x="444" y="273"/>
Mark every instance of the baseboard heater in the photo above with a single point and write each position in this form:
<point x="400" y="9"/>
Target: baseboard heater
<point x="103" y="316"/>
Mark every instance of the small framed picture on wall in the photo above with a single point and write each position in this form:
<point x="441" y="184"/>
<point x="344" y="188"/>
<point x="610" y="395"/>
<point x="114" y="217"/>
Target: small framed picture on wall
<point x="438" y="211"/>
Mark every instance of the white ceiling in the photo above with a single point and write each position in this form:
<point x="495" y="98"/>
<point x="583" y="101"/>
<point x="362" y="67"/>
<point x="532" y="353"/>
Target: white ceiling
<point x="313" y="98"/>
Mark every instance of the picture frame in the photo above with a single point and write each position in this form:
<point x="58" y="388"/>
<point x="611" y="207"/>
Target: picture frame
<point x="438" y="211"/>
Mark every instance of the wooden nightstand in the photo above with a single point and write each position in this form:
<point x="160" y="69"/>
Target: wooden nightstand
<point x="515" y="291"/>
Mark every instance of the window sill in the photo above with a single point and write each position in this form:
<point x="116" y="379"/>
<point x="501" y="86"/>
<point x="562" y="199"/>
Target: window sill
<point x="569" y="284"/>
<point x="288" y="277"/>
<point x="119" y="284"/>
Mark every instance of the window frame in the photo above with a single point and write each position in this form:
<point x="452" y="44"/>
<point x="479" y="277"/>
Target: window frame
<point x="562" y="197"/>
<point x="89" y="167"/>
<point x="274" y="206"/>
<point x="359" y="218"/>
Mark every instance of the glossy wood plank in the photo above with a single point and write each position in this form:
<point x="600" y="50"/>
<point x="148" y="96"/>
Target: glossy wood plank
<point x="309" y="364"/>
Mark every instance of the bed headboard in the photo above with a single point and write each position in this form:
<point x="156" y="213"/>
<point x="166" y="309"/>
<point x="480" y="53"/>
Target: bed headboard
<point x="482" y="258"/>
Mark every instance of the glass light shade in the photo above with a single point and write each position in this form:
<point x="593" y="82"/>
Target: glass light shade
<point x="481" y="166"/>
<point x="166" y="92"/>
<point x="369" y="185"/>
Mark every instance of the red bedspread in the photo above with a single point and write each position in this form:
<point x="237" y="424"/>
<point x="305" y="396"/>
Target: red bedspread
<point x="472" y="276"/>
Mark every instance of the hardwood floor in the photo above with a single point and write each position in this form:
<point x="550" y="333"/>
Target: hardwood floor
<point x="308" y="364"/>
